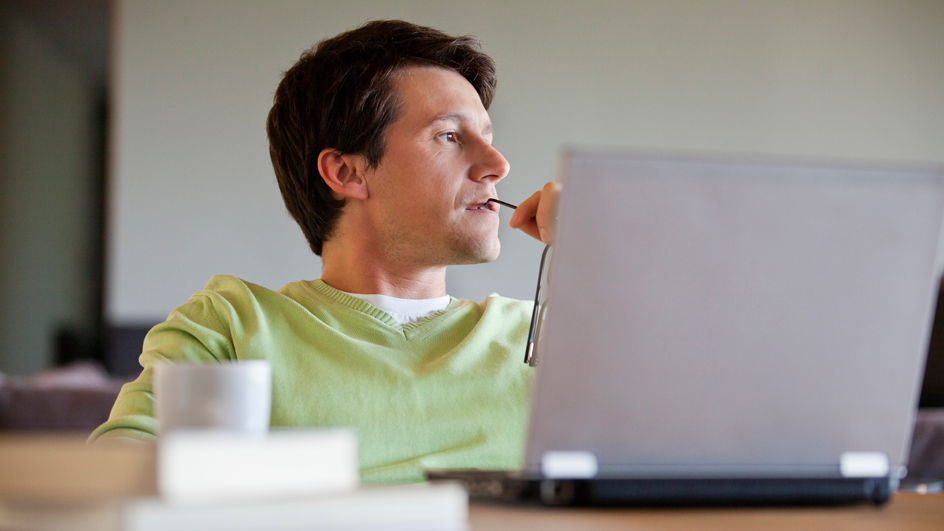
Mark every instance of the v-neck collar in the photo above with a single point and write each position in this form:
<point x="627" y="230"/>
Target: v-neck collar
<point x="409" y="330"/>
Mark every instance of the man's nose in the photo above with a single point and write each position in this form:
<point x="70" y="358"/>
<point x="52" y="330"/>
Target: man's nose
<point x="491" y="164"/>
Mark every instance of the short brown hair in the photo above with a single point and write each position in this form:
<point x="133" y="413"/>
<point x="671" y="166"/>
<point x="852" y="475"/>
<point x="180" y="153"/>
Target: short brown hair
<point x="340" y="95"/>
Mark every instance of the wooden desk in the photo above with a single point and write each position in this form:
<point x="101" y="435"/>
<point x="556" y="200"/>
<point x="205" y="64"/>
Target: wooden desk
<point x="55" y="471"/>
<point x="905" y="511"/>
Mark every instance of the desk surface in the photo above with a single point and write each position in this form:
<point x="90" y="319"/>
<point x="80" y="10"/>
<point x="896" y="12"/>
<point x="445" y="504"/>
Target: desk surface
<point x="905" y="511"/>
<point x="58" y="470"/>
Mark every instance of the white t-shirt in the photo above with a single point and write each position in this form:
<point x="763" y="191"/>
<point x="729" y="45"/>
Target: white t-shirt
<point x="404" y="311"/>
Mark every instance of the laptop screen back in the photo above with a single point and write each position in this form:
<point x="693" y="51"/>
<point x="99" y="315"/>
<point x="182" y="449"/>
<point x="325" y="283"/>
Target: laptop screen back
<point x="734" y="318"/>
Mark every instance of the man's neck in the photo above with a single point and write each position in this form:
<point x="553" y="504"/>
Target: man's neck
<point x="362" y="271"/>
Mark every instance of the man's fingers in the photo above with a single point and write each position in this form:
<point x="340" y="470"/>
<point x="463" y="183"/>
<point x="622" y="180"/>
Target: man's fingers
<point x="546" y="215"/>
<point x="523" y="218"/>
<point x="535" y="216"/>
<point x="525" y="211"/>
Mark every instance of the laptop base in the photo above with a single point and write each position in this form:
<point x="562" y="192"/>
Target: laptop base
<point x="515" y="487"/>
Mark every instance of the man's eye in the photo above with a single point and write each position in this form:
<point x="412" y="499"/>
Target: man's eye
<point x="448" y="137"/>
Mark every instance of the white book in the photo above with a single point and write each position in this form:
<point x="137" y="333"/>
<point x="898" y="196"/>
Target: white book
<point x="421" y="507"/>
<point x="202" y="466"/>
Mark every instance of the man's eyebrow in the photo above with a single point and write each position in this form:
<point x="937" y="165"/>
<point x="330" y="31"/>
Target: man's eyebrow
<point x="458" y="117"/>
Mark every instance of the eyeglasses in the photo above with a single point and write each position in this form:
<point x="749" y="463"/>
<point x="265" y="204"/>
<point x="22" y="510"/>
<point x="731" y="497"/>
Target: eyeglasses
<point x="540" y="301"/>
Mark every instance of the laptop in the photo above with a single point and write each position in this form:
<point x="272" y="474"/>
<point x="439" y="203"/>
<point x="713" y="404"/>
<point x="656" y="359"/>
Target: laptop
<point x="728" y="331"/>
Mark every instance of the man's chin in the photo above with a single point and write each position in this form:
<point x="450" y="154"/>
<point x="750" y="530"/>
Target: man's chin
<point x="478" y="252"/>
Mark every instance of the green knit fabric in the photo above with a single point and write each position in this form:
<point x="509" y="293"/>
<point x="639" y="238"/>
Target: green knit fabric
<point x="449" y="391"/>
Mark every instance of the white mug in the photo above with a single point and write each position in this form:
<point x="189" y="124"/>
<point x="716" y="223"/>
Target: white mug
<point x="235" y="396"/>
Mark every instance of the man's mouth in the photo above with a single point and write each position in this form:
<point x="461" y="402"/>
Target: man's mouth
<point x="485" y="205"/>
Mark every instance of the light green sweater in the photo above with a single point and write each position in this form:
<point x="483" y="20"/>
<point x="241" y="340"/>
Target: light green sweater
<point x="449" y="391"/>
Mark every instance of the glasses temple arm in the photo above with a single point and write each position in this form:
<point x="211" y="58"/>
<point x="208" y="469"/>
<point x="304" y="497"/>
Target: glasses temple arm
<point x="529" y="350"/>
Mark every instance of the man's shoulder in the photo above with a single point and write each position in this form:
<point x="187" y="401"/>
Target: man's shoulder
<point x="504" y="309"/>
<point x="231" y="284"/>
<point x="234" y="288"/>
<point x="496" y="301"/>
<point x="229" y="296"/>
<point x="234" y="308"/>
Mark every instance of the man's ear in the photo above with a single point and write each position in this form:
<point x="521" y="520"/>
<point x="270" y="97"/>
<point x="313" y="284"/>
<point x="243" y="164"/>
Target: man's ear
<point x="344" y="174"/>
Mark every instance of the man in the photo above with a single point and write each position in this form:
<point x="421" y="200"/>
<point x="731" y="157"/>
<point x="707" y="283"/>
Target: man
<point x="382" y="147"/>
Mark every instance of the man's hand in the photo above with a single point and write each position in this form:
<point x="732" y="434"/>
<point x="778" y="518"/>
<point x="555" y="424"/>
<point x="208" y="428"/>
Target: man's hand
<point x="537" y="214"/>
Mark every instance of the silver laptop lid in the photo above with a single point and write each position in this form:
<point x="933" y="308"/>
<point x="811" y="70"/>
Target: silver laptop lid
<point x="714" y="317"/>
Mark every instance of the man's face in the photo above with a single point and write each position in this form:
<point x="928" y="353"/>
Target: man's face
<point x="427" y="194"/>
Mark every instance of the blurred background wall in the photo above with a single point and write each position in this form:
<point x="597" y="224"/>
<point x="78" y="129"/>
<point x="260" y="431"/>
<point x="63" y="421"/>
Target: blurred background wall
<point x="191" y="193"/>
<point x="52" y="123"/>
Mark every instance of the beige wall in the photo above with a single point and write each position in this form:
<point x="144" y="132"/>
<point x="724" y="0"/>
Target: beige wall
<point x="192" y="192"/>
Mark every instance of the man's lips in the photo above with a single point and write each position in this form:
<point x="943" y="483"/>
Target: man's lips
<point x="484" y="205"/>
